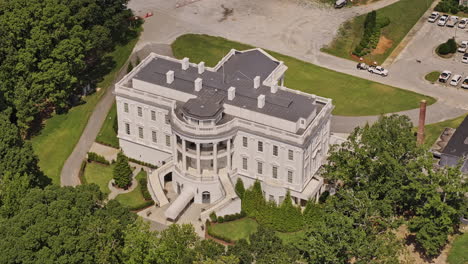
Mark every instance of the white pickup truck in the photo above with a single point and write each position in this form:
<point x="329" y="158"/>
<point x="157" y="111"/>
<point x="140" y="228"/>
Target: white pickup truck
<point x="378" y="70"/>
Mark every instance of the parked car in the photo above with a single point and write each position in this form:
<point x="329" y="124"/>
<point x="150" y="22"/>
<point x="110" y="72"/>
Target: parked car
<point x="442" y="20"/>
<point x="453" y="20"/>
<point x="340" y="3"/>
<point x="362" y="66"/>
<point x="463" y="22"/>
<point x="463" y="46"/>
<point x="378" y="70"/>
<point x="444" y="76"/>
<point x="456" y="80"/>
<point x="433" y="17"/>
<point x="465" y="83"/>
<point x="465" y="58"/>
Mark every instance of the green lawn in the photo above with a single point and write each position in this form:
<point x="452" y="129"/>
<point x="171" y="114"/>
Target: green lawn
<point x="100" y="175"/>
<point x="107" y="135"/>
<point x="244" y="227"/>
<point x="352" y="96"/>
<point x="134" y="199"/>
<point x="403" y="16"/>
<point x="433" y="131"/>
<point x="432" y="76"/>
<point x="61" y="132"/>
<point x="459" y="252"/>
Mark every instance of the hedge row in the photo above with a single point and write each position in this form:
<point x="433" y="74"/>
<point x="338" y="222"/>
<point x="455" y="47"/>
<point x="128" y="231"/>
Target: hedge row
<point x="92" y="156"/>
<point x="372" y="30"/>
<point x="142" y="163"/>
<point x="82" y="171"/>
<point x="451" y="6"/>
<point x="227" y="218"/>
<point x="143" y="182"/>
<point x="284" y="218"/>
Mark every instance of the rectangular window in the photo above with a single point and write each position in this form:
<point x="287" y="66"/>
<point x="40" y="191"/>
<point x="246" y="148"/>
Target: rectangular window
<point x="290" y="176"/>
<point x="271" y="198"/>
<point x="154" y="136"/>
<point x="244" y="142"/>
<point x="127" y="128"/>
<point x="168" y="140"/>
<point x="275" y="150"/>
<point x="275" y="172"/>
<point x="259" y="167"/>
<point x="140" y="132"/>
<point x="290" y="155"/>
<point x="140" y="111"/>
<point x="281" y="199"/>
<point x="126" y="107"/>
<point x="260" y="146"/>
<point x="244" y="163"/>
<point x="153" y="115"/>
<point x="167" y="120"/>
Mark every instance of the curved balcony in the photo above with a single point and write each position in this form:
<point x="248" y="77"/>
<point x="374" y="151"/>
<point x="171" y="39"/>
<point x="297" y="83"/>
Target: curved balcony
<point x="225" y="126"/>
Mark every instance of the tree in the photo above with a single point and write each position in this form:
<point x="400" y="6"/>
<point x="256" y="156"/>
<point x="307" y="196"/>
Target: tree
<point x="19" y="170"/>
<point x="240" y="189"/>
<point x="64" y="225"/>
<point x="241" y="249"/>
<point x="290" y="214"/>
<point x="266" y="248"/>
<point x="129" y="67"/>
<point x="253" y="201"/>
<point x="220" y="260"/>
<point x="122" y="171"/>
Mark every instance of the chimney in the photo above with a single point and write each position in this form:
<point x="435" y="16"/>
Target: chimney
<point x="198" y="84"/>
<point x="422" y="121"/>
<point x="274" y="88"/>
<point x="185" y="63"/>
<point x="261" y="101"/>
<point x="201" y="67"/>
<point x="169" y="77"/>
<point x="231" y="93"/>
<point x="256" y="82"/>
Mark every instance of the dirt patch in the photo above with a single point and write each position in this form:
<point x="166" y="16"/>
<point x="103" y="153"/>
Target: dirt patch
<point x="227" y="12"/>
<point x="382" y="46"/>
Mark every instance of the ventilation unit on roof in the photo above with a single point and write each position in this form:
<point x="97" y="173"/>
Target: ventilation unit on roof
<point x="169" y="77"/>
<point x="274" y="88"/>
<point x="261" y="101"/>
<point x="231" y="93"/>
<point x="201" y="67"/>
<point x="198" y="84"/>
<point x="185" y="63"/>
<point x="256" y="82"/>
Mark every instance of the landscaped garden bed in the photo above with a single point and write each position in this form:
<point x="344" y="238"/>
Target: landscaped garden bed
<point x="352" y="96"/>
<point x="432" y="76"/>
<point x="139" y="198"/>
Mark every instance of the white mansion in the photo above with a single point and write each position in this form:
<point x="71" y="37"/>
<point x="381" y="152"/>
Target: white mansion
<point x="207" y="127"/>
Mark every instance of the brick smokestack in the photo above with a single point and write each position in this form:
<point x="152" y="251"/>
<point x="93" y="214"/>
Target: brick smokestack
<point x="422" y="121"/>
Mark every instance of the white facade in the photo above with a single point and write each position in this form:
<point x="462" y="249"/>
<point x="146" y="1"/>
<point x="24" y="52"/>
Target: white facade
<point x="162" y="121"/>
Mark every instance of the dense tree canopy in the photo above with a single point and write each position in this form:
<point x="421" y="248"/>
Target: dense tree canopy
<point x="49" y="50"/>
<point x="383" y="163"/>
<point x="64" y="225"/>
<point x="19" y="170"/>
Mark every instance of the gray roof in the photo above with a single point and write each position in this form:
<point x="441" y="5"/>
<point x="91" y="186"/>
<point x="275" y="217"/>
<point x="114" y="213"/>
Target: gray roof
<point x="457" y="148"/>
<point x="238" y="71"/>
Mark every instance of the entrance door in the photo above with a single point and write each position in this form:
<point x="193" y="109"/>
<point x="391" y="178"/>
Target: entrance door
<point x="205" y="197"/>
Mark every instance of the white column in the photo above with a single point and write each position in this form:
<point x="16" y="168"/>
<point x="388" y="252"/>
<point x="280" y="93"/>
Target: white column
<point x="184" y="157"/>
<point x="229" y="154"/>
<point x="282" y="81"/>
<point x="198" y="159"/>
<point x="215" y="157"/>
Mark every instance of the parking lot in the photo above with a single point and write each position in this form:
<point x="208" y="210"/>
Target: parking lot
<point x="422" y="48"/>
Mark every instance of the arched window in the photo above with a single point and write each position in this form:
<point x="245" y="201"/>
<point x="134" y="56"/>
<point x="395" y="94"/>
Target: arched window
<point x="206" y="197"/>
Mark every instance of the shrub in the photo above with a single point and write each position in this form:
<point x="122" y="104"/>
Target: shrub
<point x="142" y="163"/>
<point x="97" y="158"/>
<point x="448" y="47"/>
<point x="122" y="171"/>
<point x="220" y="219"/>
<point x="115" y="125"/>
<point x="383" y="21"/>
<point x="129" y="67"/>
<point x="81" y="173"/>
<point x="213" y="217"/>
<point x="240" y="189"/>
<point x="144" y="188"/>
<point x="323" y="197"/>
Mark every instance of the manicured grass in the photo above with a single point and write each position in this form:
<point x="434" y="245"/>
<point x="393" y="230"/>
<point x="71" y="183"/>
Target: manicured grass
<point x="61" y="132"/>
<point x="100" y="175"/>
<point x="433" y="131"/>
<point x="459" y="252"/>
<point x="243" y="228"/>
<point x="432" y="76"/>
<point x="107" y="135"/>
<point x="235" y="230"/>
<point x="134" y="199"/>
<point x="403" y="16"/>
<point x="352" y="96"/>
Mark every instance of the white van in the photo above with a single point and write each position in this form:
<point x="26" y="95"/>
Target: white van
<point x="340" y="3"/>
